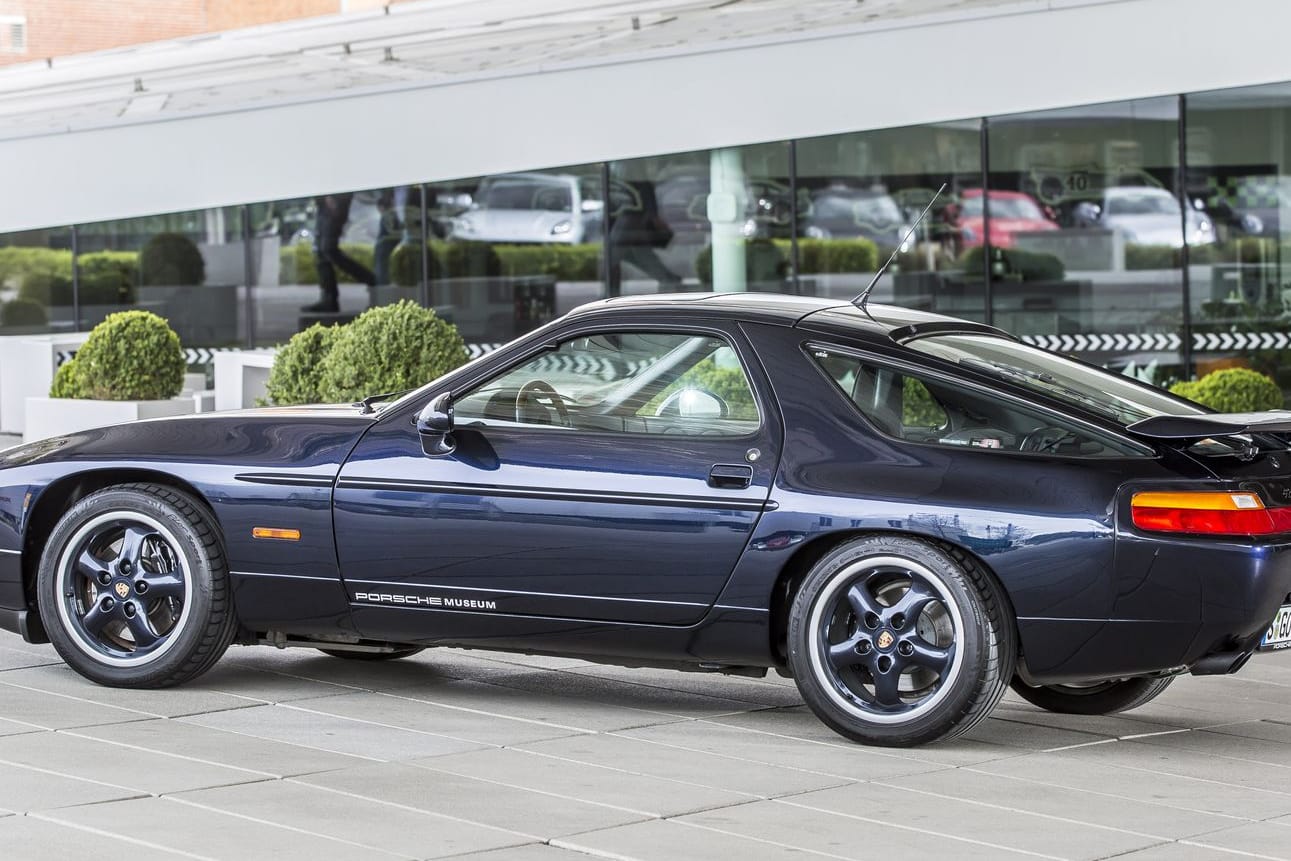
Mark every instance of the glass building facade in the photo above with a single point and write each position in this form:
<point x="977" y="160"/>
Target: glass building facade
<point x="1144" y="235"/>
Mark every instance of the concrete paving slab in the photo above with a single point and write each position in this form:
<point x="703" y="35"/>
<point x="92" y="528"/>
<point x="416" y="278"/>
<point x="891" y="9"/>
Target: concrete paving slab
<point x="1258" y="839"/>
<point x="411" y="711"/>
<point x="1109" y="776"/>
<point x="720" y="771"/>
<point x="388" y="827"/>
<point x="32" y="656"/>
<point x="676" y="703"/>
<point x="166" y="702"/>
<point x="27" y="788"/>
<point x="1231" y="746"/>
<point x="527" y="852"/>
<point x="41" y="709"/>
<point x="535" y="815"/>
<point x="923" y="807"/>
<point x="680" y="840"/>
<point x="1154" y="819"/>
<point x="25" y="838"/>
<point x="296" y="724"/>
<point x="520" y="769"/>
<point x="758" y="692"/>
<point x="171" y="824"/>
<point x="139" y="771"/>
<point x="179" y="738"/>
<point x="1222" y="773"/>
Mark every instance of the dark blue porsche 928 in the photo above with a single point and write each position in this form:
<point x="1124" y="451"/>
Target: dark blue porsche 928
<point x="905" y="512"/>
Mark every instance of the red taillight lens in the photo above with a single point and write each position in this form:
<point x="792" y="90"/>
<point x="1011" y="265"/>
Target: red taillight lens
<point x="1208" y="513"/>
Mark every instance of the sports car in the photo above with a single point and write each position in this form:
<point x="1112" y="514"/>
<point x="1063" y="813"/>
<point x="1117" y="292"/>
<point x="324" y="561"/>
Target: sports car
<point x="906" y="513"/>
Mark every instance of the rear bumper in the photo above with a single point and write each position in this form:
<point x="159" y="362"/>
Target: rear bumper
<point x="1175" y="604"/>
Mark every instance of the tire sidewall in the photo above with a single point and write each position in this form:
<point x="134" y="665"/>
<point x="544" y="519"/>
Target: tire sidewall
<point x="199" y="595"/>
<point x="973" y="643"/>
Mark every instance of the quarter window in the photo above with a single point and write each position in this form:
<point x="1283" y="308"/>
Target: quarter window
<point x="622" y="382"/>
<point x="927" y="410"/>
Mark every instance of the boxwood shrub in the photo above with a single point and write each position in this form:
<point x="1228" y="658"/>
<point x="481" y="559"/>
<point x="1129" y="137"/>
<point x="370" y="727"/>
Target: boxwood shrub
<point x="130" y="356"/>
<point x="297" y="366"/>
<point x="171" y="260"/>
<point x="1232" y="390"/>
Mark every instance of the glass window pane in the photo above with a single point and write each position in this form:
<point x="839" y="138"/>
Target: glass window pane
<point x="858" y="197"/>
<point x="188" y="267"/>
<point x="1083" y="225"/>
<point x="36" y="282"/>
<point x="1239" y="176"/>
<point x="699" y="221"/>
<point x="624" y="382"/>
<point x="513" y="251"/>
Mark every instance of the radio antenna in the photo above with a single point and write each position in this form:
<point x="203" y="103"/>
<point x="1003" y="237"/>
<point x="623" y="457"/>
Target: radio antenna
<point x="864" y="296"/>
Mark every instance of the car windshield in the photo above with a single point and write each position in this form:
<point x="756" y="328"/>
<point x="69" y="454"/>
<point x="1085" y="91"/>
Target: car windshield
<point x="1115" y="396"/>
<point x="1004" y="207"/>
<point x="1142" y="202"/>
<point x="521" y="194"/>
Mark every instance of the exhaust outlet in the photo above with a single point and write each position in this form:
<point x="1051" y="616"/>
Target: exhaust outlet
<point x="1220" y="663"/>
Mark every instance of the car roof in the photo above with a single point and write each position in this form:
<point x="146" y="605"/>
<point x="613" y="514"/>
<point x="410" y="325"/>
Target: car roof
<point x="885" y="322"/>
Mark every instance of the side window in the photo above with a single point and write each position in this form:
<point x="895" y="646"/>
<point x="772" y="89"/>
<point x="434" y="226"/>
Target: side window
<point x="922" y="409"/>
<point x="622" y="382"/>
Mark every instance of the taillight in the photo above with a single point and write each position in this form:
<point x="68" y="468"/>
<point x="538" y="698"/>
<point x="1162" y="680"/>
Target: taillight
<point x="1207" y="513"/>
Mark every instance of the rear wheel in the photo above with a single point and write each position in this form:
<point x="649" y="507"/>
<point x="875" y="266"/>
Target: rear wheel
<point x="1095" y="698"/>
<point x="133" y="588"/>
<point x="373" y="656"/>
<point x="896" y="642"/>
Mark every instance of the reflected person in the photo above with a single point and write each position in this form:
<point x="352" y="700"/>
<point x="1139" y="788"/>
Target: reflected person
<point x="333" y="211"/>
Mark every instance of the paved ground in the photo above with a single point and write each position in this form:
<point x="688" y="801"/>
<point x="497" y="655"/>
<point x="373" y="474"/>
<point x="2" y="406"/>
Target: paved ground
<point x="491" y="756"/>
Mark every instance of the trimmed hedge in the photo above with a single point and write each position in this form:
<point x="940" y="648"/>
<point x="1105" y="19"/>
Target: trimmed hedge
<point x="1232" y="390"/>
<point x="387" y="349"/>
<point x="763" y="262"/>
<point x="23" y="312"/>
<point x="1027" y="265"/>
<point x="297" y="264"/>
<point x="296" y="373"/>
<point x="130" y="356"/>
<point x="824" y="256"/>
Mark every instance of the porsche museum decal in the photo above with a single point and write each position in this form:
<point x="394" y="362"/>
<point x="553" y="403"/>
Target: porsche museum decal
<point x="425" y="601"/>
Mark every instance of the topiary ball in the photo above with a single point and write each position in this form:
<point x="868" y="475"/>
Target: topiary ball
<point x="67" y="381"/>
<point x="23" y="312"/>
<point x="389" y="349"/>
<point x="1233" y="390"/>
<point x="171" y="260"/>
<point x="131" y="356"/>
<point x="297" y="366"/>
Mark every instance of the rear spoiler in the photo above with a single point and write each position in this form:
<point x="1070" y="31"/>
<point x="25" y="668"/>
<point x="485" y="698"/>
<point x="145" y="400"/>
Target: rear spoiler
<point x="1216" y="424"/>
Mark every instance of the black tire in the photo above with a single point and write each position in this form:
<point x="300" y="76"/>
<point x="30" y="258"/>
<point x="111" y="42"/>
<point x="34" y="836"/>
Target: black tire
<point x="875" y="675"/>
<point x="134" y="588"/>
<point x="1101" y="698"/>
<point x="374" y="656"/>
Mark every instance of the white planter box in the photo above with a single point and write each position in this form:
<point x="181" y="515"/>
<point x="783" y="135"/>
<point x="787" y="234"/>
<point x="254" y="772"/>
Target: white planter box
<point x="240" y="377"/>
<point x="27" y="366"/>
<point x="48" y="417"/>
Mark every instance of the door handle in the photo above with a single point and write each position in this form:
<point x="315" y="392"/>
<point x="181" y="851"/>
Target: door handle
<point x="732" y="475"/>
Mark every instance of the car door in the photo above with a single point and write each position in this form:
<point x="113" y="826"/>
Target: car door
<point x="612" y="475"/>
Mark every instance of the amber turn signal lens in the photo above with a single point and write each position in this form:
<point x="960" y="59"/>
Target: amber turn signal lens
<point x="1207" y="513"/>
<point x="280" y="534"/>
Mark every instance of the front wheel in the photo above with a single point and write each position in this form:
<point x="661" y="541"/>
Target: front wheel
<point x="134" y="590"/>
<point x="896" y="642"/>
<point x="1095" y="698"/>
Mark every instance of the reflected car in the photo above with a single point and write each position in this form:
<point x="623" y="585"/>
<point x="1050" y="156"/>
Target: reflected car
<point x="906" y="513"/>
<point x="845" y="212"/>
<point x="1146" y="215"/>
<point x="1012" y="212"/>
<point x="531" y="208"/>
<point x="1254" y="206"/>
<point x="682" y="193"/>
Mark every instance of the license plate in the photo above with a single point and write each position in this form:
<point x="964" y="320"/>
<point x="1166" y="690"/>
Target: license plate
<point x="1278" y="636"/>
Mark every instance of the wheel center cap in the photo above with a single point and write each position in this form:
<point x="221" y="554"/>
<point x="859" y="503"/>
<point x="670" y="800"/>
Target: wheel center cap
<point x="122" y="589"/>
<point x="885" y="639"/>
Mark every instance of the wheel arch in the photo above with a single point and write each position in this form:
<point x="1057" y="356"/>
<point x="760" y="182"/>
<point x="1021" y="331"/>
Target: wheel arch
<point x="64" y="492"/>
<point x="795" y="570"/>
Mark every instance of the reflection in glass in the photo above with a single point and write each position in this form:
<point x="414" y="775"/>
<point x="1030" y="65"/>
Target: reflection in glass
<point x="1083" y="226"/>
<point x="36" y="281"/>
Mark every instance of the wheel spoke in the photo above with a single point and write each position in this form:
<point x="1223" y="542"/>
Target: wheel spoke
<point x="915" y="600"/>
<point x="94" y="620"/>
<point x="927" y="655"/>
<point x="862" y="602"/>
<point x="163" y="586"/>
<point x="886" y="686"/>
<point x="843" y="655"/>
<point x="132" y="543"/>
<point x="88" y="565"/>
<point x="144" y="635"/>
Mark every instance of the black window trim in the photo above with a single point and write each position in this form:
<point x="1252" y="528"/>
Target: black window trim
<point x="912" y="369"/>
